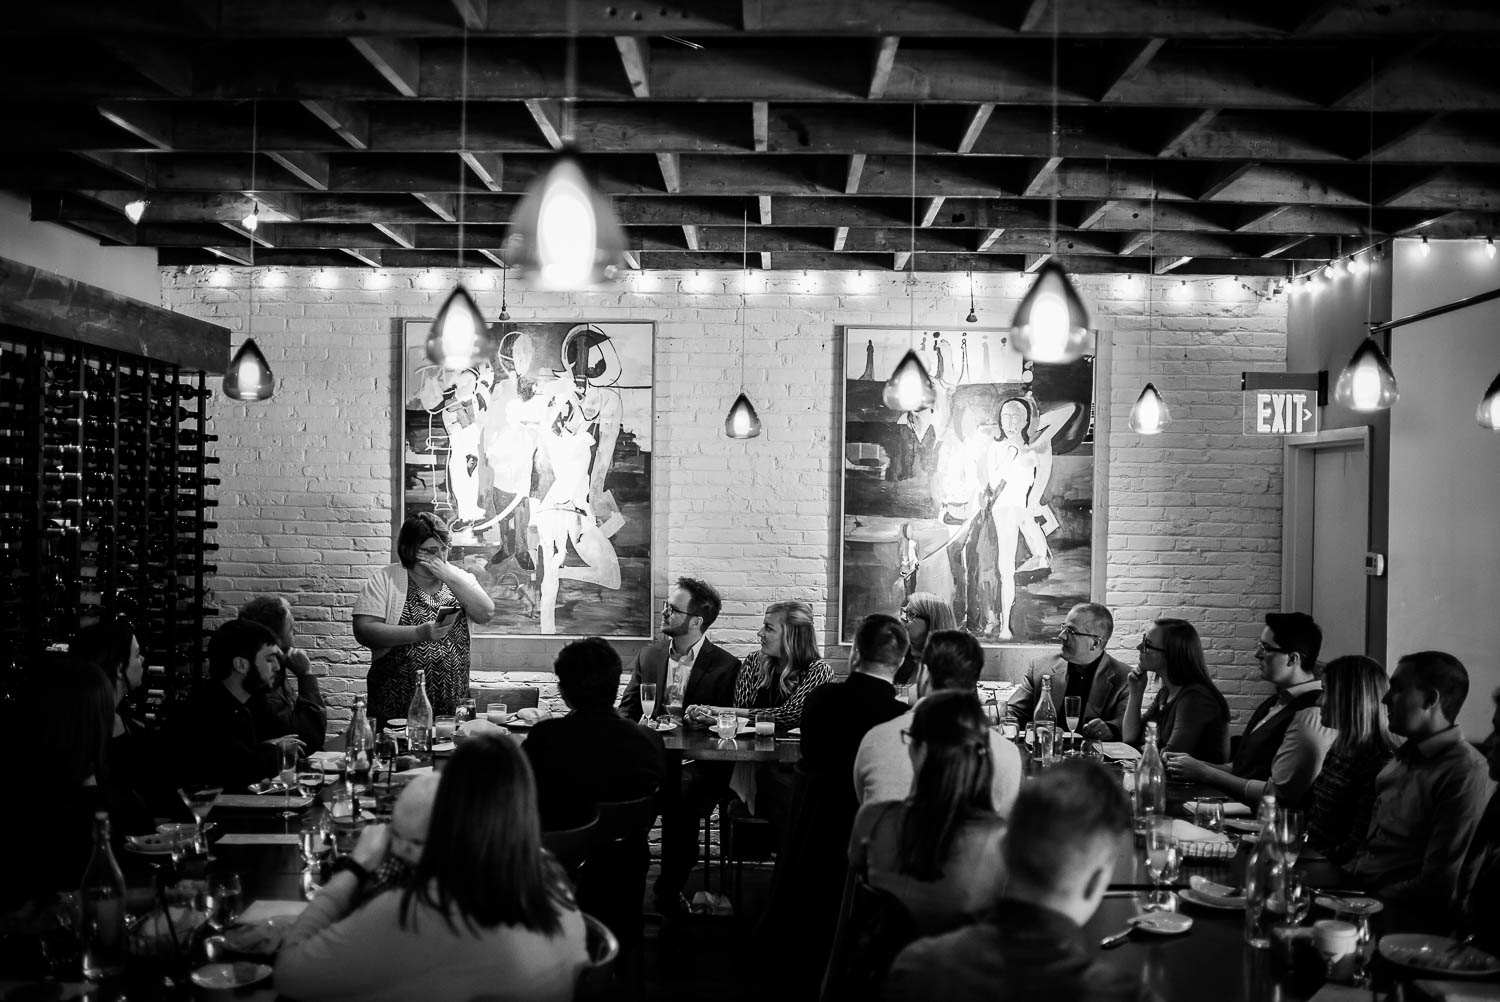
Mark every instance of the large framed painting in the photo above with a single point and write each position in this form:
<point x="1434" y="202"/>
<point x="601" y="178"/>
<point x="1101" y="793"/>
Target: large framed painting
<point x="538" y="459"/>
<point x="985" y="500"/>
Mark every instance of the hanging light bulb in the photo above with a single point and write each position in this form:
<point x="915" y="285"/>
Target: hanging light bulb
<point x="504" y="284"/>
<point x="1367" y="383"/>
<point x="1358" y="266"/>
<point x="136" y="209"/>
<point x="1488" y="414"/>
<point x="459" y="334"/>
<point x="909" y="388"/>
<point x="1489" y="245"/>
<point x="251" y="221"/>
<point x="742" y="421"/>
<point x="565" y="236"/>
<point x="973" y="316"/>
<point x="1150" y="414"/>
<point x="1426" y="247"/>
<point x="249" y="375"/>
<point x="1051" y="324"/>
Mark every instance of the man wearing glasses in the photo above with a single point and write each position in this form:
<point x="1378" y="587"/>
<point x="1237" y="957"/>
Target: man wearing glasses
<point x="1285" y="741"/>
<point x="1080" y="668"/>
<point x="686" y="669"/>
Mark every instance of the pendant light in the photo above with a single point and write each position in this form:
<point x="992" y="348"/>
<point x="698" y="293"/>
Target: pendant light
<point x="910" y="388"/>
<point x="565" y="236"/>
<point x="1488" y="414"/>
<point x="1051" y="324"/>
<point x="136" y="208"/>
<point x="459" y="336"/>
<point x="1367" y="383"/>
<point x="249" y="377"/>
<point x="973" y="316"/>
<point x="1150" y="415"/>
<point x="742" y="421"/>
<point x="504" y="288"/>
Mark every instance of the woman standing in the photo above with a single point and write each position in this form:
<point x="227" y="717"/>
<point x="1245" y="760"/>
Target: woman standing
<point x="938" y="851"/>
<point x="487" y="913"/>
<point x="397" y="618"/>
<point x="1190" y="713"/>
<point x="1344" y="792"/>
<point x="924" y="614"/>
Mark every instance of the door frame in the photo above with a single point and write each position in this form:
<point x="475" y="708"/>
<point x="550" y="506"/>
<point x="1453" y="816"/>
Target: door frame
<point x="1298" y="485"/>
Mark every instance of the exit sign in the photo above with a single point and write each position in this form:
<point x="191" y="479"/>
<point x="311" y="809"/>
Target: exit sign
<point x="1282" y="403"/>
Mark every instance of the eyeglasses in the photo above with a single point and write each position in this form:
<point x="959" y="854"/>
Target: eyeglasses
<point x="1146" y="645"/>
<point x="668" y="608"/>
<point x="1261" y="647"/>
<point x="907" y="615"/>
<point x="432" y="551"/>
<point x="1069" y="631"/>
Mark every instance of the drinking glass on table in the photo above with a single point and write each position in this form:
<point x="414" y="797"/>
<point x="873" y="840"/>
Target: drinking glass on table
<point x="312" y="842"/>
<point x="444" y="726"/>
<point x="1208" y="814"/>
<point x="309" y="782"/>
<point x="648" y="702"/>
<point x="222" y="899"/>
<point x="729" y="725"/>
<point x="1072" y="707"/>
<point x="1289" y="834"/>
<point x="385" y="758"/>
<point x="286" y="754"/>
<point x="464" y="711"/>
<point x="1292" y="899"/>
<point x="674" y="700"/>
<point x="496" y="714"/>
<point x="200" y="800"/>
<point x="1163" y="858"/>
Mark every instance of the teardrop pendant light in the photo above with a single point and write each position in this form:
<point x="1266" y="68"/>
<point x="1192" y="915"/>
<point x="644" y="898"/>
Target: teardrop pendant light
<point x="742" y="421"/>
<point x="459" y="334"/>
<point x="973" y="317"/>
<point x="1488" y="414"/>
<point x="1367" y="383"/>
<point x="135" y="209"/>
<point x="565" y="237"/>
<point x="910" y="388"/>
<point x="249" y="377"/>
<point x="1150" y="415"/>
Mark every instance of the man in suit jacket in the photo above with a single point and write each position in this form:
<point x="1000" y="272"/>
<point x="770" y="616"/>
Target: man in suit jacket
<point x="1081" y="668"/>
<point x="706" y="673"/>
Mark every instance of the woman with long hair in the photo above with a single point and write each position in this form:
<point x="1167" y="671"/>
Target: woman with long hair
<point x="938" y="851"/>
<point x="487" y="910"/>
<point x="923" y="613"/>
<point x="1344" y="793"/>
<point x="1190" y="713"/>
<point x="112" y="646"/>
<point x="777" y="678"/>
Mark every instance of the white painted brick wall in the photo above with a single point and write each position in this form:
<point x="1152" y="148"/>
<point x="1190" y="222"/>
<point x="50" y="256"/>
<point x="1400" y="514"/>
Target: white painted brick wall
<point x="305" y="507"/>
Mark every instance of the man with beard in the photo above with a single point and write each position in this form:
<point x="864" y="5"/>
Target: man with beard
<point x="296" y="708"/>
<point x="687" y="669"/>
<point x="213" y="734"/>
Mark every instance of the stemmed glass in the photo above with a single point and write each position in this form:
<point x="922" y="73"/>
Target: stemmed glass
<point x="222" y="899"/>
<point x="1293" y="899"/>
<point x="648" y="703"/>
<point x="1289" y="834"/>
<point x="200" y="800"/>
<point x="287" y="755"/>
<point x="1072" y="707"/>
<point x="1163" y="858"/>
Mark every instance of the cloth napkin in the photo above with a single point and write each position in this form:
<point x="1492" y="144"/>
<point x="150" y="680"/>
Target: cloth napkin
<point x="1192" y="833"/>
<point x="258" y="838"/>
<point x="1118" y="751"/>
<point x="1232" y="809"/>
<point x="269" y="908"/>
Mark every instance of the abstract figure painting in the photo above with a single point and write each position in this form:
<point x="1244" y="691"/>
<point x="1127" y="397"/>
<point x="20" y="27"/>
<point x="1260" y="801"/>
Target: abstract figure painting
<point x="985" y="499"/>
<point x="538" y="458"/>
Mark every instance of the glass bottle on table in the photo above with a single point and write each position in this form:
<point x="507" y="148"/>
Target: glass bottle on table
<point x="419" y="717"/>
<point x="359" y="748"/>
<point x="1262" y="875"/>
<point x="1046" y="713"/>
<point x="105" y="947"/>
<point x="1150" y="782"/>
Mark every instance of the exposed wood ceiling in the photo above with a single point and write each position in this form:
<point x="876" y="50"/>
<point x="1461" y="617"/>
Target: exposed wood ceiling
<point x="1265" y="128"/>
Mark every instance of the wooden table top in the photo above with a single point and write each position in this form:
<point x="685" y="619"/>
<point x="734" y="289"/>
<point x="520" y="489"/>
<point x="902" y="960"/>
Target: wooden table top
<point x="706" y="746"/>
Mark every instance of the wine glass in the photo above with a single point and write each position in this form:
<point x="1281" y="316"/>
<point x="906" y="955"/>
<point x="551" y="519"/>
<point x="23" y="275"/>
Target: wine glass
<point x="312" y="841"/>
<point x="1289" y="834"/>
<point x="1072" y="707"/>
<point x="385" y="758"/>
<point x="222" y="899"/>
<point x="464" y="710"/>
<point x="1163" y="856"/>
<point x="286" y="754"/>
<point x="648" y="702"/>
<point x="200" y="800"/>
<point x="1293" y="899"/>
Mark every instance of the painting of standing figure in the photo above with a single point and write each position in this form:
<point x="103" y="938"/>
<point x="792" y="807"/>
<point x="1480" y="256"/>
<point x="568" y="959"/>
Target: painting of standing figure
<point x="985" y="499"/>
<point x="538" y="459"/>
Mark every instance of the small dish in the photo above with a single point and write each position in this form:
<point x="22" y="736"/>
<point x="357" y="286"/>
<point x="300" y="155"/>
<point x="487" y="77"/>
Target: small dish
<point x="443" y="748"/>
<point x="1242" y="825"/>
<point x="1349" y="906"/>
<point x="664" y="724"/>
<point x="1162" y="923"/>
<point x="150" y="845"/>
<point x="1193" y="897"/>
<point x="224" y="977"/>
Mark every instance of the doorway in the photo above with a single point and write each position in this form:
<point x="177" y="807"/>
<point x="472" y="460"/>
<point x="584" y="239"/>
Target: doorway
<point x="1326" y="534"/>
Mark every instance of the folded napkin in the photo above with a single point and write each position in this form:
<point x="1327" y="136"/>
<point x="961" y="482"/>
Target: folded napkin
<point x="1118" y="751"/>
<point x="1192" y="833"/>
<point x="269" y="908"/>
<point x="1458" y="991"/>
<point x="271" y="801"/>
<point x="257" y="838"/>
<point x="1232" y="809"/>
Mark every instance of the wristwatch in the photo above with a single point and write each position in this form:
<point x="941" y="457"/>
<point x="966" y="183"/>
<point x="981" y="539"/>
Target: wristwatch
<point x="348" y="863"/>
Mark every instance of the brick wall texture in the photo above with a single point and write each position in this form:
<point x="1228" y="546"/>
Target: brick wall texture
<point x="1194" y="523"/>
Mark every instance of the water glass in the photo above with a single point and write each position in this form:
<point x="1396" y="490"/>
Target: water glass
<point x="729" y="725"/>
<point x="1163" y="858"/>
<point x="309" y="783"/>
<point x="222" y="899"/>
<point x="464" y="711"/>
<point x="496" y="714"/>
<point x="443" y="727"/>
<point x="1045" y="736"/>
<point x="1292" y="900"/>
<point x="1209" y="814"/>
<point x="312" y="841"/>
<point x="1289" y="834"/>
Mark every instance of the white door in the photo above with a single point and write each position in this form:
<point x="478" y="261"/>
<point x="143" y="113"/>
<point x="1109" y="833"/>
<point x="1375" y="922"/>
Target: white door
<point x="1326" y="532"/>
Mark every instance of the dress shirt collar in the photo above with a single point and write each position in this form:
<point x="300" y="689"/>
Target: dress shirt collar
<point x="1431" y="746"/>
<point x="690" y="657"/>
<point x="1291" y="692"/>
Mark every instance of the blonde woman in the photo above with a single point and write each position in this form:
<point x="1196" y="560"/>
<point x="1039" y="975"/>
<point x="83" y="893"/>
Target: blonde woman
<point x="1344" y="793"/>
<point x="777" y="678"/>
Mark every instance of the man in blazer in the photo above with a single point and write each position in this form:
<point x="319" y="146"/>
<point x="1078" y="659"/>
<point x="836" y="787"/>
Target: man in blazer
<point x="706" y="673"/>
<point x="1081" y="668"/>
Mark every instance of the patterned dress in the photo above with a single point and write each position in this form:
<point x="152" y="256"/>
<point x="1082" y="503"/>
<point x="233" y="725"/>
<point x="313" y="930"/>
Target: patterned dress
<point x="392" y="679"/>
<point x="753" y="689"/>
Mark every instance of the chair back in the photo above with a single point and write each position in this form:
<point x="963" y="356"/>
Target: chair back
<point x="571" y="845"/>
<point x="515" y="697"/>
<point x="612" y="885"/>
<point x="873" y="927"/>
<point x="596" y="980"/>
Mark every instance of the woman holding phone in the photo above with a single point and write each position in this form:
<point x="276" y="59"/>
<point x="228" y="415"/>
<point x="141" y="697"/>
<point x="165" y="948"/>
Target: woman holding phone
<point x="415" y="614"/>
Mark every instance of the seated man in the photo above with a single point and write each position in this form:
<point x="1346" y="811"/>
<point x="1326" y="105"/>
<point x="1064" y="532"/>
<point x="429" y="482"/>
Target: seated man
<point x="1065" y="831"/>
<point x="1482" y="911"/>
<point x="882" y="767"/>
<point x="1284" y="743"/>
<point x="1429" y="798"/>
<point x="213" y="734"/>
<point x="1095" y="677"/>
<point x="297" y="708"/>
<point x="593" y="754"/>
<point x="837" y="716"/>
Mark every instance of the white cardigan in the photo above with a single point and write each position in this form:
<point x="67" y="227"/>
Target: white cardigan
<point x="384" y="595"/>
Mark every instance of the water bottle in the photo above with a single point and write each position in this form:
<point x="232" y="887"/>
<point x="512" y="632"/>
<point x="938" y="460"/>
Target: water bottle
<point x="1150" y="783"/>
<point x="359" y="748"/>
<point x="419" y="717"/>
<point x="1046" y="720"/>
<point x="1261" y="877"/>
<point x="104" y="945"/>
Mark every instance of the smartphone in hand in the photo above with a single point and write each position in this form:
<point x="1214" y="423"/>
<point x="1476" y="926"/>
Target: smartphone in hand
<point x="448" y="615"/>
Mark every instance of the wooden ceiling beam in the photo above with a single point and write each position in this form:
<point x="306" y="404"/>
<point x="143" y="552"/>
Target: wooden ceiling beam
<point x="310" y="168"/>
<point x="975" y="127"/>
<point x="1259" y="218"/>
<point x="1093" y="212"/>
<point x="397" y="60"/>
<point x="1218" y="179"/>
<point x="930" y="212"/>
<point x="1382" y="65"/>
<point x="765" y="261"/>
<point x="856" y="170"/>
<point x="364" y="255"/>
<point x="1141" y="53"/>
<point x="349" y="122"/>
<point x="1035" y="261"/>
<point x="760" y="125"/>
<point x="988" y="240"/>
<point x="899" y="260"/>
<point x="1172" y="264"/>
<point x="671" y="171"/>
<point x="132" y="167"/>
<point x="548" y="117"/>
<point x="402" y="234"/>
<point x="635" y="56"/>
<point x="443" y="206"/>
<point x="149" y="123"/>
<point x="1284" y="244"/>
<point x="1134" y="243"/>
<point x="1040" y="177"/>
<point x="488" y="167"/>
<point x="161" y="63"/>
<point x="1173" y="145"/>
<point x="764" y="205"/>
<point x="690" y="234"/>
<point x="885" y="59"/>
<point x="840" y="237"/>
<point x="234" y="255"/>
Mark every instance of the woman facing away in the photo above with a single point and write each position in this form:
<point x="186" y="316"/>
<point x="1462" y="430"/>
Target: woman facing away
<point x="1344" y="793"/>
<point x="938" y="851"/>
<point x="923" y="614"/>
<point x="487" y="912"/>
<point x="1190" y="713"/>
<point x="397" y="618"/>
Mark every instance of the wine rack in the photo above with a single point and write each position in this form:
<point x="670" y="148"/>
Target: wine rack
<point x="104" y="502"/>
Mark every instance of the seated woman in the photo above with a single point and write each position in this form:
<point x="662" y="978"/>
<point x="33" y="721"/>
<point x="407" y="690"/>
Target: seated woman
<point x="938" y="851"/>
<point x="1344" y="793"/>
<point x="1190" y="713"/>
<point x="924" y="614"/>
<point x="486" y="913"/>
<point x="111" y="645"/>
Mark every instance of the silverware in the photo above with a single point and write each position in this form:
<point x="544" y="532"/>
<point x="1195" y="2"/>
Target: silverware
<point x="1109" y="942"/>
<point x="1459" y="945"/>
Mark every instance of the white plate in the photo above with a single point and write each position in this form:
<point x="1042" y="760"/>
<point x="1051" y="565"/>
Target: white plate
<point x="226" y="976"/>
<point x="1164" y="923"/>
<point x="149" y="845"/>
<point x="1242" y="825"/>
<point x="663" y="724"/>
<point x="1192" y="897"/>
<point x="1349" y="906"/>
<point x="1428" y="953"/>
<point x="442" y="748"/>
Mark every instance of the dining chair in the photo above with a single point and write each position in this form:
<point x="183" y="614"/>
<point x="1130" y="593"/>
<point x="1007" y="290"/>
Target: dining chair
<point x="612" y="885"/>
<point x="571" y="846"/>
<point x="873" y="927"/>
<point x="596" y="980"/>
